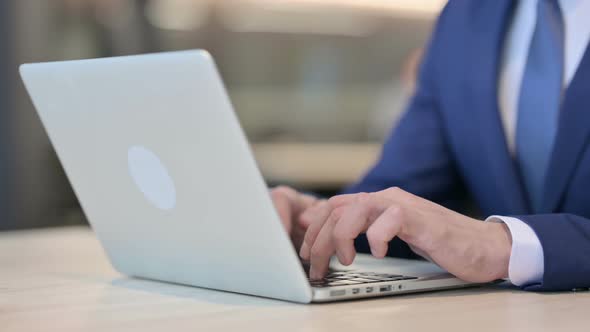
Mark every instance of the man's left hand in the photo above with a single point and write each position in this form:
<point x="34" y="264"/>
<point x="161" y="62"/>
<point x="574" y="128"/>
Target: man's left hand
<point x="470" y="249"/>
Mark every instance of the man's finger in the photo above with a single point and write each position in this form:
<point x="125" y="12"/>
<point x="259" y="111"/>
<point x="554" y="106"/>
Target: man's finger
<point x="353" y="222"/>
<point x="309" y="205"/>
<point x="322" y="249"/>
<point x="315" y="217"/>
<point x="282" y="204"/>
<point x="384" y="229"/>
<point x="346" y="199"/>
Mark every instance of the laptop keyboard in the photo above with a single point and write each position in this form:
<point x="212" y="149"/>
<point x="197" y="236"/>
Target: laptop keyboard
<point x="345" y="278"/>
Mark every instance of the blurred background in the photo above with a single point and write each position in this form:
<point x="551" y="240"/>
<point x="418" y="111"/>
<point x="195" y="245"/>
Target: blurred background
<point x="317" y="84"/>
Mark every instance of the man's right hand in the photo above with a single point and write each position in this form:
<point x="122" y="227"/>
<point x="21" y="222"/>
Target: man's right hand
<point x="294" y="208"/>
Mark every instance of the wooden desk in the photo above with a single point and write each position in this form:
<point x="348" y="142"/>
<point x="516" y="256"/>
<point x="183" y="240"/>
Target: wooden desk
<point x="60" y="280"/>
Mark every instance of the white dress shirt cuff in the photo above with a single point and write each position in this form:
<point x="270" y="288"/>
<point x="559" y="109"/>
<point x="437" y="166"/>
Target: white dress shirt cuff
<point x="526" y="258"/>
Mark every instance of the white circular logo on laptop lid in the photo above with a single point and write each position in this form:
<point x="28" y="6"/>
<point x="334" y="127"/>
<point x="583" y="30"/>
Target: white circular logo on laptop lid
<point x="151" y="177"/>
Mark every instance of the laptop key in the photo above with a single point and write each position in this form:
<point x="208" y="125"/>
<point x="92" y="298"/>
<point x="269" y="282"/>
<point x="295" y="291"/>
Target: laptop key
<point x="354" y="278"/>
<point x="364" y="280"/>
<point x="342" y="277"/>
<point x="389" y="275"/>
<point x="377" y="278"/>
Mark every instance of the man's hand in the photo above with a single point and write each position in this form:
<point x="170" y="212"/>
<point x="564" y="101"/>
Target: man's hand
<point x="292" y="206"/>
<point x="470" y="249"/>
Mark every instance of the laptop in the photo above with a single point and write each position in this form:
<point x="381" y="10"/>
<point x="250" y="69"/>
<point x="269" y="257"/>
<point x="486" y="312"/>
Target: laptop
<point x="165" y="176"/>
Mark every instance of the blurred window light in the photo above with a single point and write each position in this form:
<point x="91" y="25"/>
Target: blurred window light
<point x="328" y="17"/>
<point x="180" y="15"/>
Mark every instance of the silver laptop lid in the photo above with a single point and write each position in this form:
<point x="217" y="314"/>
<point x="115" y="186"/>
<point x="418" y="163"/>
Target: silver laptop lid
<point x="164" y="173"/>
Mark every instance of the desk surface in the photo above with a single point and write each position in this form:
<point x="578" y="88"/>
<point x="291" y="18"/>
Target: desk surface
<point x="60" y="280"/>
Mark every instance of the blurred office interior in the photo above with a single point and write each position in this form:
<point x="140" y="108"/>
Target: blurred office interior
<point x="317" y="84"/>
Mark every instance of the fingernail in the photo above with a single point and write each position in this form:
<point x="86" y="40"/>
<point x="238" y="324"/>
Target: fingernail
<point x="374" y="252"/>
<point x="303" y="252"/>
<point x="342" y="258"/>
<point x="313" y="274"/>
<point x="377" y="253"/>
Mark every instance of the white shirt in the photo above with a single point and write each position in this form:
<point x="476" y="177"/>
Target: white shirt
<point x="526" y="259"/>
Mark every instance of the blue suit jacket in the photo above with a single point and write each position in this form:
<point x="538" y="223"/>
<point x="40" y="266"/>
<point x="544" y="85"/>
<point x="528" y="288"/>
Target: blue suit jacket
<point x="450" y="143"/>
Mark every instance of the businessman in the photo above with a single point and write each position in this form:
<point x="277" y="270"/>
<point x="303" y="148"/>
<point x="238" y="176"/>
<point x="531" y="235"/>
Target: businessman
<point x="500" y="115"/>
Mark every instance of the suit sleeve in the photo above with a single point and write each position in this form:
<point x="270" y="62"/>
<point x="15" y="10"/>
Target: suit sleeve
<point x="416" y="156"/>
<point x="565" y="239"/>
